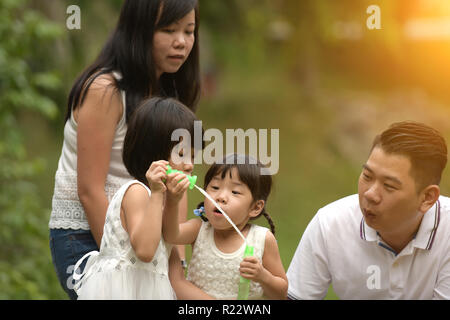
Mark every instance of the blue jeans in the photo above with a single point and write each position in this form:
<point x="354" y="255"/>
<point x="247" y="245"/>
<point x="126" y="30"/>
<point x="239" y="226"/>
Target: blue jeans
<point x="67" y="247"/>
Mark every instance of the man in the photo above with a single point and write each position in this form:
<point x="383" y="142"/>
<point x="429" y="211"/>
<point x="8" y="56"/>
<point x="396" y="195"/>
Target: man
<point x="392" y="240"/>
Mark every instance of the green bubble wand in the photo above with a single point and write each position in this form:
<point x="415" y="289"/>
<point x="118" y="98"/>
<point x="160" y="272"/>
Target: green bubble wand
<point x="192" y="179"/>
<point x="244" y="284"/>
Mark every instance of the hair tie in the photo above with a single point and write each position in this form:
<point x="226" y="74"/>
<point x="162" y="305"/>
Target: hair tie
<point x="199" y="212"/>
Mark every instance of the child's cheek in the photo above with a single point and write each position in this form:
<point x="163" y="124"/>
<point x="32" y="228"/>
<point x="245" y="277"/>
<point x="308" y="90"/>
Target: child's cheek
<point x="208" y="207"/>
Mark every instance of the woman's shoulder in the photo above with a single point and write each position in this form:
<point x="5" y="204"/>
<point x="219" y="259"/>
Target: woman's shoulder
<point x="103" y="82"/>
<point x="102" y="95"/>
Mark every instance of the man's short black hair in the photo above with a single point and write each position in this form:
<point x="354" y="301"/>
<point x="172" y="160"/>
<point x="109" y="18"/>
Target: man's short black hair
<point x="422" y="145"/>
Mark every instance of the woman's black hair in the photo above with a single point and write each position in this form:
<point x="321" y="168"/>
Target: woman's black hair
<point x="149" y="134"/>
<point x="249" y="171"/>
<point x="129" y="51"/>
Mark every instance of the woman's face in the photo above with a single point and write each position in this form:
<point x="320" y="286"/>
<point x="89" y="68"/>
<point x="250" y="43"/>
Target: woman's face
<point x="173" y="44"/>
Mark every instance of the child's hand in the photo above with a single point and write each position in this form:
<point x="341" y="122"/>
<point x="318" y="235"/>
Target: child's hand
<point x="155" y="175"/>
<point x="251" y="268"/>
<point x="177" y="184"/>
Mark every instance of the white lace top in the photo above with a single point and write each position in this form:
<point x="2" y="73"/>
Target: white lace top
<point x="217" y="273"/>
<point x="115" y="272"/>
<point x="67" y="210"/>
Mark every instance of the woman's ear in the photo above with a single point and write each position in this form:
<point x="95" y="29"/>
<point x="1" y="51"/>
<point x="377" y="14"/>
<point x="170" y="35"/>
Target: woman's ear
<point x="430" y="195"/>
<point x="256" y="208"/>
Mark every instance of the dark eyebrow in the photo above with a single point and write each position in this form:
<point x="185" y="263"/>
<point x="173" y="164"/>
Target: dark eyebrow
<point x="394" y="179"/>
<point x="189" y="24"/>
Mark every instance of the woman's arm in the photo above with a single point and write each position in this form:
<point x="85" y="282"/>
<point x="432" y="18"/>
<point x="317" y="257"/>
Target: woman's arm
<point x="270" y="273"/>
<point x="97" y="119"/>
<point x="184" y="289"/>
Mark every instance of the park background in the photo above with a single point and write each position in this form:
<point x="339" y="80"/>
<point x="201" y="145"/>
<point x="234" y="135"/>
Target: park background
<point x="312" y="69"/>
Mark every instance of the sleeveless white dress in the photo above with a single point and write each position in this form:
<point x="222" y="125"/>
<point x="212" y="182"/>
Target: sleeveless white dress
<point x="216" y="272"/>
<point x="115" y="272"/>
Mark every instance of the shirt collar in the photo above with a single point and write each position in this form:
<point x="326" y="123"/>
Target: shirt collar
<point x="425" y="236"/>
<point x="428" y="227"/>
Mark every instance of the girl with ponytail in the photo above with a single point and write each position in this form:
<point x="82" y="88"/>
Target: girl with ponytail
<point x="240" y="189"/>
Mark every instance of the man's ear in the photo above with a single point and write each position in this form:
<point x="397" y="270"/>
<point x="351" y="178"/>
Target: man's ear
<point x="256" y="208"/>
<point x="429" y="197"/>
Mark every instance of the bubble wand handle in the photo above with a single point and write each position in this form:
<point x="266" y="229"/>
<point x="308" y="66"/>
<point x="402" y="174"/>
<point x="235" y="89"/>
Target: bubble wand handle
<point x="192" y="179"/>
<point x="244" y="283"/>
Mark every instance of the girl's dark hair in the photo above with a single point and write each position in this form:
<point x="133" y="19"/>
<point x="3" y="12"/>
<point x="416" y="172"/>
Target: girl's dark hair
<point x="249" y="170"/>
<point x="129" y="51"/>
<point x="149" y="133"/>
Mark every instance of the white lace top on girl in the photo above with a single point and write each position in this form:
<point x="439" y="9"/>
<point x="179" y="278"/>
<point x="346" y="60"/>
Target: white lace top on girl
<point x="67" y="210"/>
<point x="217" y="273"/>
<point x="115" y="272"/>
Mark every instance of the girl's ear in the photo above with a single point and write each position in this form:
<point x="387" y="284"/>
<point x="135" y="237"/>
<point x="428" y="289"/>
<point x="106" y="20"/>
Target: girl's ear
<point x="256" y="208"/>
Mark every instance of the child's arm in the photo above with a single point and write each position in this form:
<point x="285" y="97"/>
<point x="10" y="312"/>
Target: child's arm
<point x="142" y="215"/>
<point x="270" y="273"/>
<point x="182" y="218"/>
<point x="173" y="231"/>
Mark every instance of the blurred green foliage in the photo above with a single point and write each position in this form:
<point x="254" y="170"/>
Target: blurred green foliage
<point x="24" y="253"/>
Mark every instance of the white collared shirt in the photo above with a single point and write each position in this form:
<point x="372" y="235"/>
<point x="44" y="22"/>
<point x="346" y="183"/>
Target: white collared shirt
<point x="339" y="248"/>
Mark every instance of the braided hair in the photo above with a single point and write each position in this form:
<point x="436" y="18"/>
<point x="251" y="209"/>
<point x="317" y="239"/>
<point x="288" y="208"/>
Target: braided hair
<point x="249" y="170"/>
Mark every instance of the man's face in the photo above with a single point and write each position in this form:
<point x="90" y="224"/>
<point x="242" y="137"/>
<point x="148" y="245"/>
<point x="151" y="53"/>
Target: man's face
<point x="387" y="193"/>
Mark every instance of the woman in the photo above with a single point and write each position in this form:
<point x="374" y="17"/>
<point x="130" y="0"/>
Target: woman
<point x="153" y="51"/>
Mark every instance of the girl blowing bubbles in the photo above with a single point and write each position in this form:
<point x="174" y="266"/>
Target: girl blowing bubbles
<point x="133" y="259"/>
<point x="216" y="264"/>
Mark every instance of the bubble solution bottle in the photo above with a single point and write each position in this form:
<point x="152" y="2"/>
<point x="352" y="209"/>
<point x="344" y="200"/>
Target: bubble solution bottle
<point x="244" y="284"/>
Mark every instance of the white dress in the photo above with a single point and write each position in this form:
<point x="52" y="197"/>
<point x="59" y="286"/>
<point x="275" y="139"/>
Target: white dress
<point x="115" y="272"/>
<point x="216" y="272"/>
